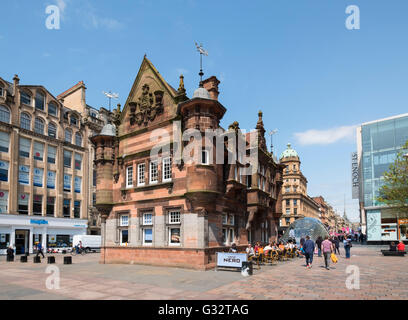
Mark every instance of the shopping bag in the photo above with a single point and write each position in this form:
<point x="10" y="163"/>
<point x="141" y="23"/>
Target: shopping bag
<point x="333" y="258"/>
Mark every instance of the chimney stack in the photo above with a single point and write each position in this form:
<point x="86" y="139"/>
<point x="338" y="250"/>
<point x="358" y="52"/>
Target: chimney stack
<point x="16" y="82"/>
<point x="211" y="85"/>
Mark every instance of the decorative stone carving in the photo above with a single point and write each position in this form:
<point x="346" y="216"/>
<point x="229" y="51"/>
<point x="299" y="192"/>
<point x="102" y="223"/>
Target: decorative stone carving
<point x="146" y="108"/>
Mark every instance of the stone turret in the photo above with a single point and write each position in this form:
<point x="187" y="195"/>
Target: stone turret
<point x="201" y="113"/>
<point x="104" y="162"/>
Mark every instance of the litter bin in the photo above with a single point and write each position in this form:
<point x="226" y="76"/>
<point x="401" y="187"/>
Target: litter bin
<point x="248" y="264"/>
<point x="37" y="259"/>
<point x="23" y="259"/>
<point x="68" y="260"/>
<point x="51" y="260"/>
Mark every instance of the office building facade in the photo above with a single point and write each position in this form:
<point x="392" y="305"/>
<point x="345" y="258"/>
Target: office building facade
<point x="378" y="143"/>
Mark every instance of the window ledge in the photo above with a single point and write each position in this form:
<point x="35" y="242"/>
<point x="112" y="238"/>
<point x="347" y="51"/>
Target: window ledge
<point x="154" y="186"/>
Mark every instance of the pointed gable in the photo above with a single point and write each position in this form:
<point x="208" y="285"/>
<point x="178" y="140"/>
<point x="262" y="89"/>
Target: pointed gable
<point x="151" y="99"/>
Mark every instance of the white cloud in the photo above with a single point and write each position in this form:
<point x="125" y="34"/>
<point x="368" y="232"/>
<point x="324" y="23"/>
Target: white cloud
<point x="181" y="71"/>
<point x="107" y="23"/>
<point x="61" y="4"/>
<point x="309" y="137"/>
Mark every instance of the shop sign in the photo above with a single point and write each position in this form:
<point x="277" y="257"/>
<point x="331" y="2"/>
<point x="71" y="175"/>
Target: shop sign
<point x="52" y="238"/>
<point x="232" y="260"/>
<point x="403" y="221"/>
<point x="355" y="178"/>
<point x="32" y="221"/>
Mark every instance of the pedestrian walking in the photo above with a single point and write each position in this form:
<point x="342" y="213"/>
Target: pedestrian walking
<point x="327" y="248"/>
<point x="347" y="246"/>
<point x="10" y="253"/>
<point x="336" y="245"/>
<point x="302" y="241"/>
<point x="40" y="250"/>
<point x="309" y="247"/>
<point x="319" y="241"/>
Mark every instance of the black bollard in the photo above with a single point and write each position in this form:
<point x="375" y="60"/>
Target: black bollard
<point x="37" y="259"/>
<point x="68" y="260"/>
<point x="23" y="259"/>
<point x="50" y="260"/>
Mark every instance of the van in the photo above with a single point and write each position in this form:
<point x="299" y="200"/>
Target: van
<point x="89" y="243"/>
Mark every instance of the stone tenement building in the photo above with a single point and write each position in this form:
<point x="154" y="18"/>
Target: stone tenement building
<point x="75" y="99"/>
<point x="296" y="202"/>
<point x="156" y="210"/>
<point x="43" y="169"/>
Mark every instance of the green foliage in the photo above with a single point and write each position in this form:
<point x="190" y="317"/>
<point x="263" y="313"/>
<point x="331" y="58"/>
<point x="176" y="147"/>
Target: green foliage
<point x="394" y="192"/>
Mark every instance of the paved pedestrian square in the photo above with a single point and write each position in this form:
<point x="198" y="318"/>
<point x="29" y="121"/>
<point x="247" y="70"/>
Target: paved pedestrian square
<point x="379" y="278"/>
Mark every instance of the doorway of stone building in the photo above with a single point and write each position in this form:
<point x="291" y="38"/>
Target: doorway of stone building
<point x="22" y="241"/>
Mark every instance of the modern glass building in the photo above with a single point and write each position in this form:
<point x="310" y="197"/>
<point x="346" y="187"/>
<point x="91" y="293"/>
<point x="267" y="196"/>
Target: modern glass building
<point x="378" y="144"/>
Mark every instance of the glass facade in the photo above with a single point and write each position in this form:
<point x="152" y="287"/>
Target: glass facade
<point x="381" y="142"/>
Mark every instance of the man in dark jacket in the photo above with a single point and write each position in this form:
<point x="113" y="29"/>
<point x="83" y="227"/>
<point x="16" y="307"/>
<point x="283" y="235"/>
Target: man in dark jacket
<point x="10" y="253"/>
<point x="309" y="247"/>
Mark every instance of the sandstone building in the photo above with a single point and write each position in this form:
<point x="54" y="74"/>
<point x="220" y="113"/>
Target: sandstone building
<point x="157" y="210"/>
<point x="44" y="156"/>
<point x="296" y="202"/>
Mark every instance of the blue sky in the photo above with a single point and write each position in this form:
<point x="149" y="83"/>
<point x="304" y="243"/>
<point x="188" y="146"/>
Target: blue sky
<point x="293" y="59"/>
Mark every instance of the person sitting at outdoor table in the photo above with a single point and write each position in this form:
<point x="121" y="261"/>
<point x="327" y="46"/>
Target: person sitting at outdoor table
<point x="281" y="246"/>
<point x="250" y="251"/>
<point x="267" y="248"/>
<point x="393" y="247"/>
<point x="290" y="244"/>
<point x="401" y="246"/>
<point x="233" y="248"/>
<point x="257" y="246"/>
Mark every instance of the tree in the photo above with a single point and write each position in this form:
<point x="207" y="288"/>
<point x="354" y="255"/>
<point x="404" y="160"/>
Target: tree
<point x="394" y="192"/>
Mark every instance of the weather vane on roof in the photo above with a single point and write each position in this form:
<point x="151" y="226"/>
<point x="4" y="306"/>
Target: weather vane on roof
<point x="271" y="133"/>
<point x="202" y="52"/>
<point x="110" y="96"/>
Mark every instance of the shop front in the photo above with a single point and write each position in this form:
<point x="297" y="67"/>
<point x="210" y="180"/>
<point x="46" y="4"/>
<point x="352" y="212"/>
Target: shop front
<point x="24" y="232"/>
<point x="386" y="225"/>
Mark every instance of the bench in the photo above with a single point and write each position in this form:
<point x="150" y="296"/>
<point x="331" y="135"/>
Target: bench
<point x="393" y="253"/>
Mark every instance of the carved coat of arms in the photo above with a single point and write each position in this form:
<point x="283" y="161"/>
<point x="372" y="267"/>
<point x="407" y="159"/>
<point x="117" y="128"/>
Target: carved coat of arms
<point x="148" y="106"/>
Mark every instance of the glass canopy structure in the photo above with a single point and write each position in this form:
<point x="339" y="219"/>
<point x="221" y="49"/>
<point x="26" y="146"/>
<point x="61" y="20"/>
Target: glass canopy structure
<point x="306" y="227"/>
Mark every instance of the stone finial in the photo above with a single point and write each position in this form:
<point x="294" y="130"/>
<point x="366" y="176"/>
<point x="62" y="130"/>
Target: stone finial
<point x="181" y="89"/>
<point x="118" y="109"/>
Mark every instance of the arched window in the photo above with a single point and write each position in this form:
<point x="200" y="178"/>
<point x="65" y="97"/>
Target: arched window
<point x="68" y="135"/>
<point x="25" y="98"/>
<point x="52" y="109"/>
<point x="39" y="125"/>
<point x="52" y="130"/>
<point x="4" y="114"/>
<point x="78" y="139"/>
<point x="40" y="101"/>
<point x="25" y="121"/>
